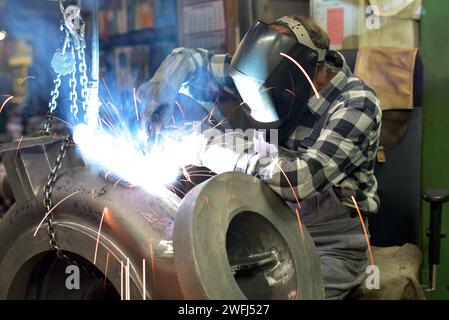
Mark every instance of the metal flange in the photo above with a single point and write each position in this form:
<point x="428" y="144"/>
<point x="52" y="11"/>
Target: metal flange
<point x="234" y="238"/>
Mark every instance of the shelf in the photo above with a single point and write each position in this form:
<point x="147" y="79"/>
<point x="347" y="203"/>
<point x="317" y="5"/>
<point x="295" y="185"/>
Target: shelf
<point x="140" y="37"/>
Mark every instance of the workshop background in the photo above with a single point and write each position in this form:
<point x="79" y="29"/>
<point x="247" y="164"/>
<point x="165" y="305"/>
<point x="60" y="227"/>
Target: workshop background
<point x="136" y="35"/>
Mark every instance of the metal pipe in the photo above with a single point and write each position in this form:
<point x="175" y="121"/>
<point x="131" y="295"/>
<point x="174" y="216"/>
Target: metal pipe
<point x="433" y="278"/>
<point x="255" y="251"/>
<point x="434" y="242"/>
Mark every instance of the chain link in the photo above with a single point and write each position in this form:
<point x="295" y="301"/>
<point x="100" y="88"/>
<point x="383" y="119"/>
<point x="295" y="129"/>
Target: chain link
<point x="53" y="175"/>
<point x="52" y="104"/>
<point x="48" y="190"/>
<point x="83" y="70"/>
<point x="48" y="203"/>
<point x="54" y="94"/>
<point x="73" y="92"/>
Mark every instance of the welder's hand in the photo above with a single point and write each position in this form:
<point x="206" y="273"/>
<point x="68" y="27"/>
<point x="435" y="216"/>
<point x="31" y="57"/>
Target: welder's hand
<point x="159" y="94"/>
<point x="222" y="156"/>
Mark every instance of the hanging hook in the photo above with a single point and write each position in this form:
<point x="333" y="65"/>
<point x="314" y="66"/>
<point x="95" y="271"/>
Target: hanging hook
<point x="74" y="23"/>
<point x="61" y="5"/>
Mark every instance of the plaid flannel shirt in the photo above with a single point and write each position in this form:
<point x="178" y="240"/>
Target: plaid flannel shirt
<point x="343" y="156"/>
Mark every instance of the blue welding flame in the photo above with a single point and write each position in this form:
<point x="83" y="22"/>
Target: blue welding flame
<point x="115" y="139"/>
<point x="123" y="147"/>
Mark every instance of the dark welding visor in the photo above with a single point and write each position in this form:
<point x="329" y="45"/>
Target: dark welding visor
<point x="267" y="81"/>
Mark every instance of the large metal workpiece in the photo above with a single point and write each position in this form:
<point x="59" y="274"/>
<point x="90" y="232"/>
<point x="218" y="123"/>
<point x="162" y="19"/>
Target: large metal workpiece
<point x="231" y="237"/>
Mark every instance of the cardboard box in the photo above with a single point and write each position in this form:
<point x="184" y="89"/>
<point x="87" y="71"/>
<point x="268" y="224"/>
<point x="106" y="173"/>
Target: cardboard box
<point x="350" y="24"/>
<point x="398" y="33"/>
<point x="398" y="9"/>
<point x="379" y="14"/>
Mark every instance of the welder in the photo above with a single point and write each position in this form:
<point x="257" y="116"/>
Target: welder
<point x="328" y="123"/>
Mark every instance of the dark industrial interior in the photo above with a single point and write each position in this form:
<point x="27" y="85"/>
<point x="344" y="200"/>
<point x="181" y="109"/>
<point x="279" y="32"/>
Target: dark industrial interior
<point x="112" y="185"/>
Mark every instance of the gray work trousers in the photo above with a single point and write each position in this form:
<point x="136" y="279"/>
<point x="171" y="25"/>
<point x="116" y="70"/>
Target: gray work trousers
<point x="340" y="242"/>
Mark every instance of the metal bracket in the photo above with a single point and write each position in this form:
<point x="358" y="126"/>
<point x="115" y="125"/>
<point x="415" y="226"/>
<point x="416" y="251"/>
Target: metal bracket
<point x="27" y="163"/>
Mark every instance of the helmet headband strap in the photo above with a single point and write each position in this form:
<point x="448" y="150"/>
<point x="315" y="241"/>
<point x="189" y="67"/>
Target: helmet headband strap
<point x="302" y="35"/>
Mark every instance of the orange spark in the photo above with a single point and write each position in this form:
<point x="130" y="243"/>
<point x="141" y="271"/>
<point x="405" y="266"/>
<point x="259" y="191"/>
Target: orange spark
<point x="267" y="89"/>
<point x="51" y="210"/>
<point x="128" y="297"/>
<point x="121" y="280"/>
<point x="177" y="189"/>
<point x="4" y="103"/>
<point x="153" y="270"/>
<point x="107" y="174"/>
<point x="217" y="125"/>
<point x="291" y="92"/>
<point x="299" y="224"/>
<point x="221" y="122"/>
<point x="22" y="81"/>
<point x="238" y="107"/>
<point x="364" y="231"/>
<point x="105" y="211"/>
<point x="118" y="181"/>
<point x="296" y="198"/>
<point x="200" y="175"/>
<point x="18" y="147"/>
<point x="144" y="282"/>
<point x="106" y="270"/>
<point x="186" y="174"/>
<point x="303" y="71"/>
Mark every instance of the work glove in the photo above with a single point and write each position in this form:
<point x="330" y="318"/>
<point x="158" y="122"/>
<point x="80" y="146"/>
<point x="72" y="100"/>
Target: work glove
<point x="222" y="155"/>
<point x="158" y="96"/>
<point x="212" y="149"/>
<point x="234" y="153"/>
<point x="220" y="152"/>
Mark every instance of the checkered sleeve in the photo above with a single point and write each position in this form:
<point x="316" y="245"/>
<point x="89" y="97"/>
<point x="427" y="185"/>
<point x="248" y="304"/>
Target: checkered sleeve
<point x="345" y="141"/>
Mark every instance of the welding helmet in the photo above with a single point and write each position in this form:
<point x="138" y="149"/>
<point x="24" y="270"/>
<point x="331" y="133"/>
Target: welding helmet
<point x="273" y="72"/>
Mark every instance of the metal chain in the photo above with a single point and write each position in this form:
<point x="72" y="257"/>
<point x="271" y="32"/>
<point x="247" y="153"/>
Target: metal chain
<point x="83" y="70"/>
<point x="48" y="190"/>
<point x="52" y="104"/>
<point x="73" y="92"/>
<point x="52" y="177"/>
<point x="48" y="203"/>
